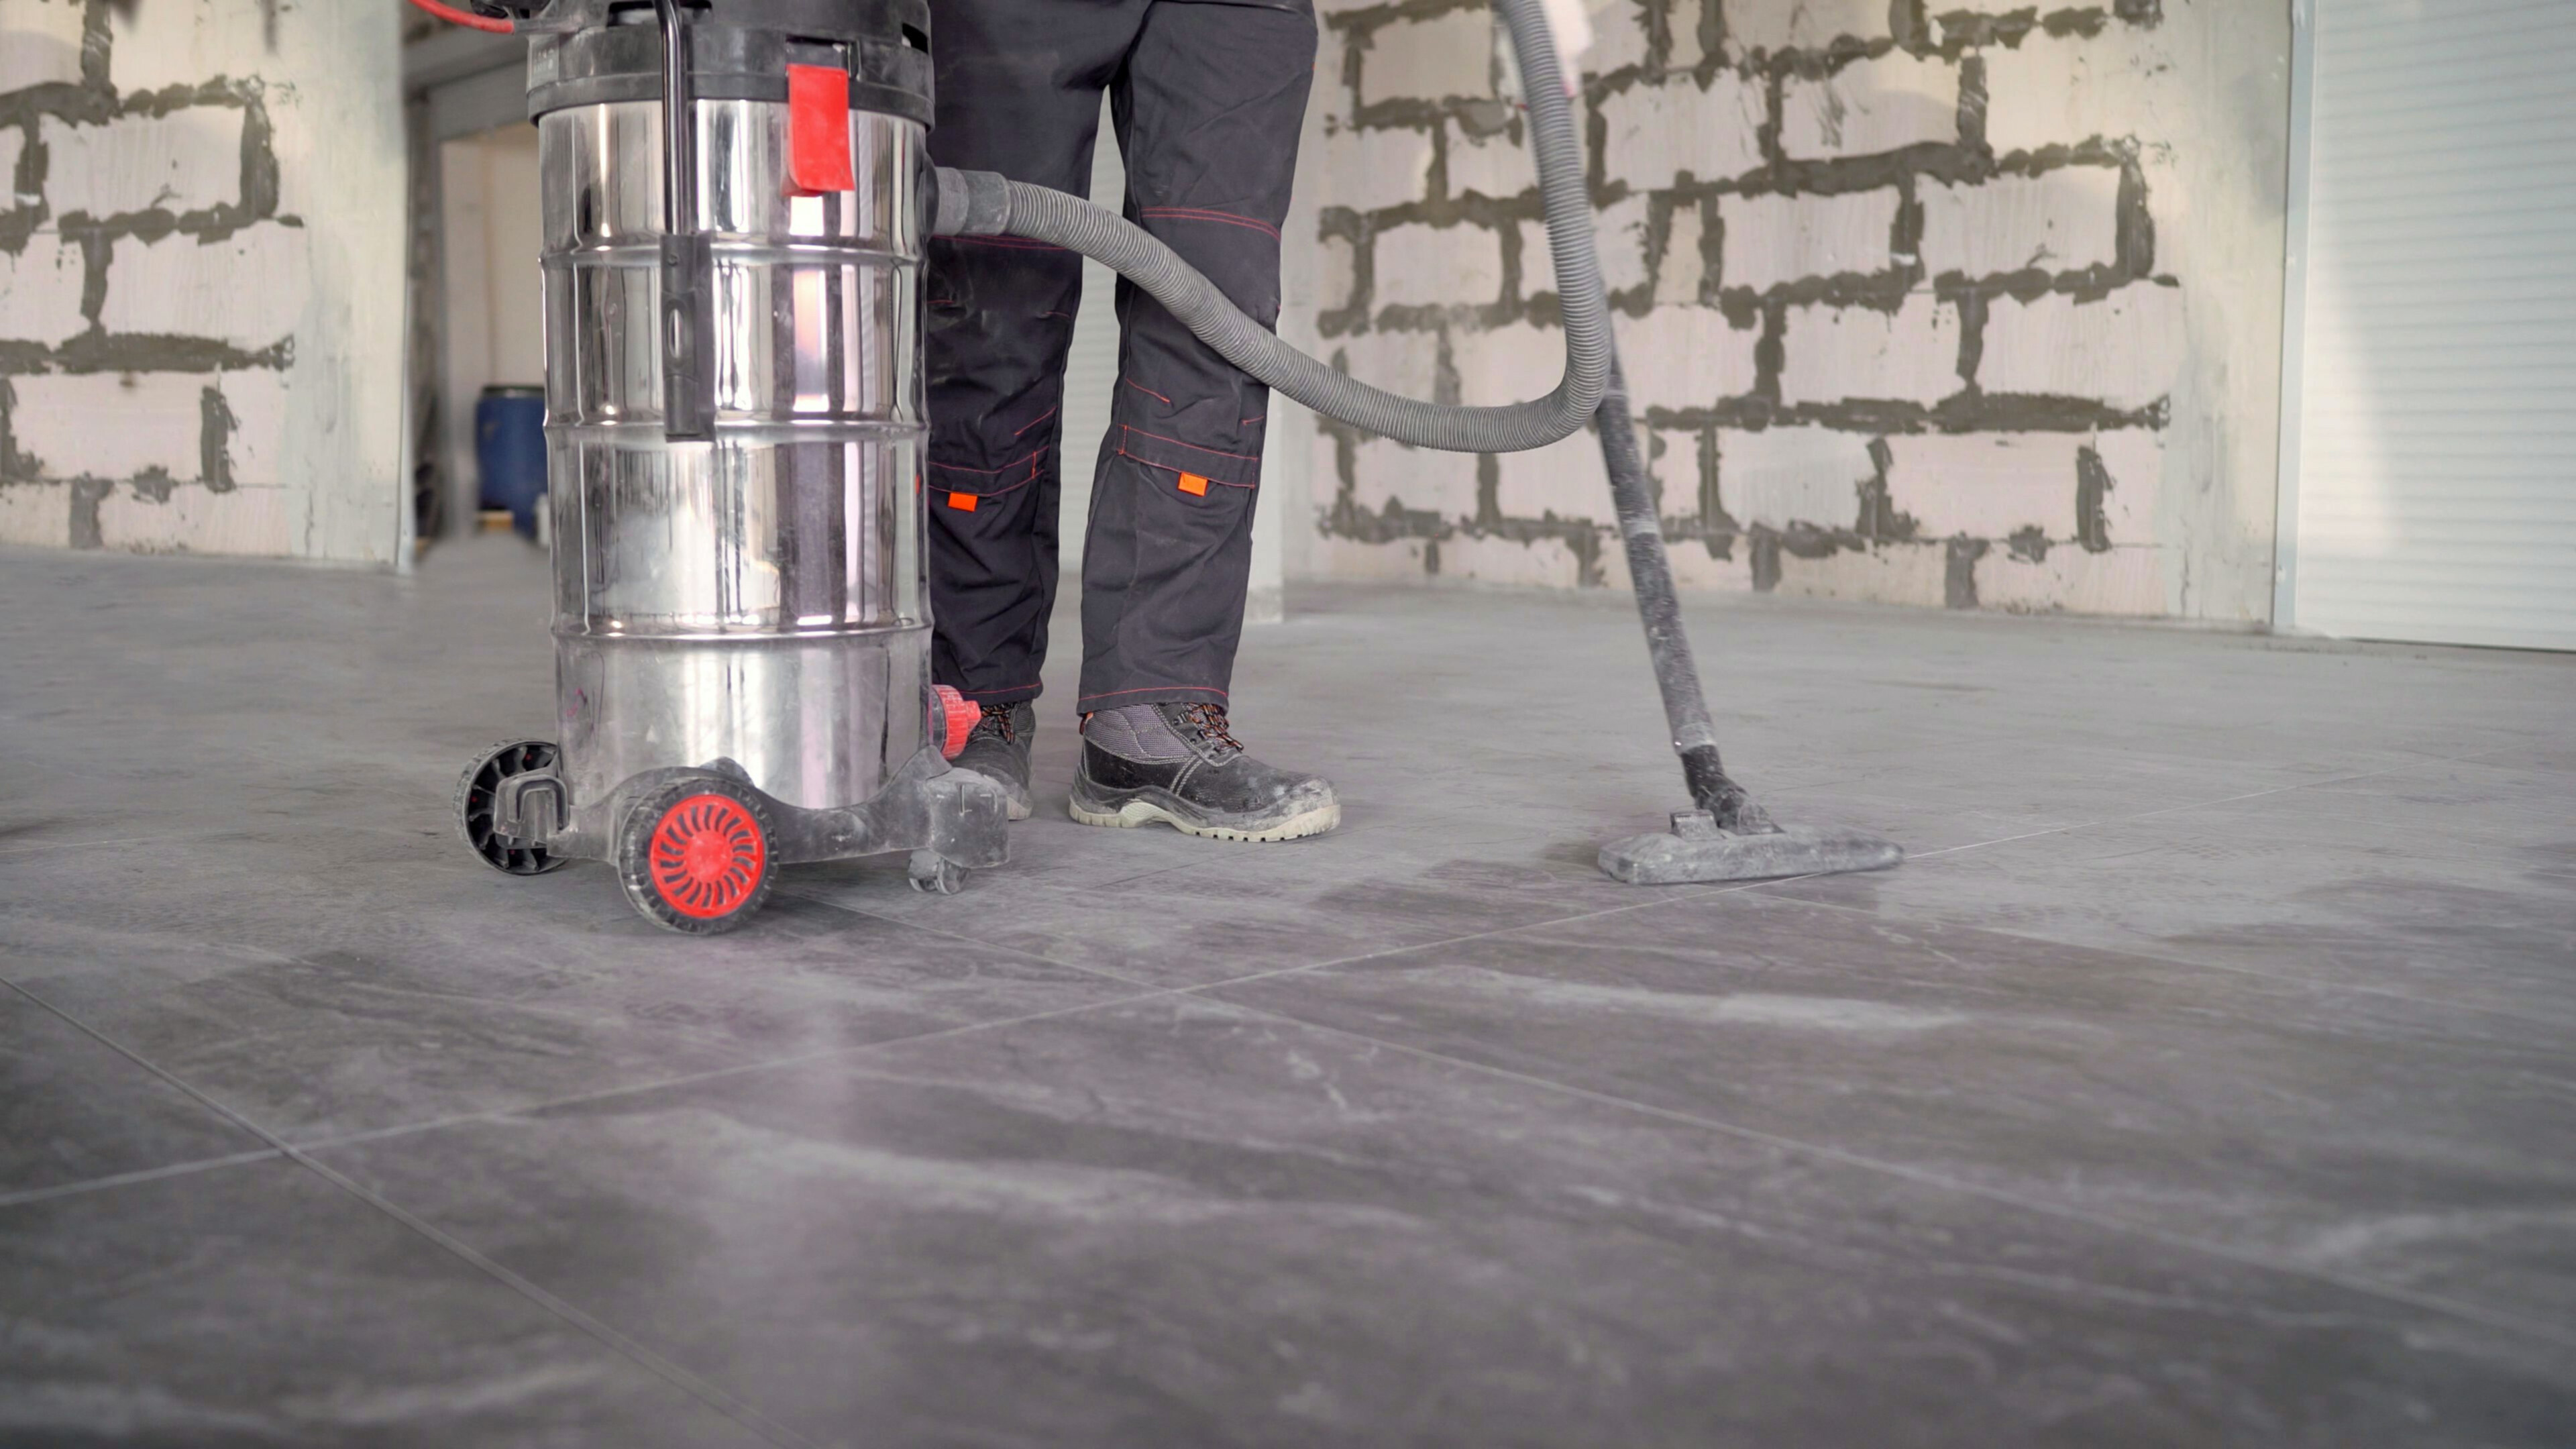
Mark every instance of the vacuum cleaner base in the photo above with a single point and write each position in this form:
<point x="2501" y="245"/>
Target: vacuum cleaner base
<point x="697" y="848"/>
<point x="1696" y="850"/>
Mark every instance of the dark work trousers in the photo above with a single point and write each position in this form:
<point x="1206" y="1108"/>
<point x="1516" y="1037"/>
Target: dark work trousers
<point x="1208" y="99"/>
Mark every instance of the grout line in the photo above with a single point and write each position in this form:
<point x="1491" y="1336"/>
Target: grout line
<point x="2159" y="957"/>
<point x="1925" y="1177"/>
<point x="53" y="846"/>
<point x="298" y="1153"/>
<point x="126" y="1179"/>
<point x="2150" y="955"/>
<point x="2198" y="805"/>
<point x="654" y="1363"/>
<point x="1147" y="992"/>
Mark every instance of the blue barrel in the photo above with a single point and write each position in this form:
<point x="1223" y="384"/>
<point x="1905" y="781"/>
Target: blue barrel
<point x="510" y="450"/>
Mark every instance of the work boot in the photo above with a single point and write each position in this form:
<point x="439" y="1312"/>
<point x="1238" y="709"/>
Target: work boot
<point x="998" y="750"/>
<point x="1176" y="763"/>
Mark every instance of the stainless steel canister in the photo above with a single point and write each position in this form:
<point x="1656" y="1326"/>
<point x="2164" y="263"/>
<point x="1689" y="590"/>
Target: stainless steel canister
<point x="757" y="598"/>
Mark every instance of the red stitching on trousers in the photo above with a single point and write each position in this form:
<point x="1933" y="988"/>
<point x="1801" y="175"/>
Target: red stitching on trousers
<point x="1031" y="460"/>
<point x="1033" y="422"/>
<point x="1006" y="243"/>
<point x="1004" y="490"/>
<point x="1193" y="447"/>
<point x="1177" y="472"/>
<point x="1197" y="213"/>
<point x="1147" y="391"/>
<point x="1149" y="689"/>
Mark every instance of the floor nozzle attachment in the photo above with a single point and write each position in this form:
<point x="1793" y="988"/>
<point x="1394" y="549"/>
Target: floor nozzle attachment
<point x="1696" y="850"/>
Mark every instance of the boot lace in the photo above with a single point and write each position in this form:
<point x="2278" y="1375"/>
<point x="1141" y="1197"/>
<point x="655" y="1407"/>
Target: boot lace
<point x="1210" y="723"/>
<point x="997" y="718"/>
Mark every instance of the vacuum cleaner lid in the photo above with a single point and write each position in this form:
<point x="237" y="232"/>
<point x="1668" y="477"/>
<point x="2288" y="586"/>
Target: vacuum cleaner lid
<point x="740" y="51"/>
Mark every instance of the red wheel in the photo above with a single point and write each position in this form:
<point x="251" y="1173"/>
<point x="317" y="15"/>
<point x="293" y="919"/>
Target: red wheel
<point x="695" y="855"/>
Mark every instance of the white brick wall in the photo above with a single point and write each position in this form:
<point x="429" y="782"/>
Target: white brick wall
<point x="1421" y="480"/>
<point x="1661" y="130"/>
<point x="1672" y="461"/>
<point x="1684" y="268"/>
<point x="246" y="521"/>
<point x="188" y="160"/>
<point x="2059" y="221"/>
<point x="177" y="43"/>
<point x="1403" y="362"/>
<point x="1909" y="355"/>
<point x="2123" y="350"/>
<point x="1920" y="328"/>
<point x="1450" y="55"/>
<point x="1442" y="266"/>
<point x="1781" y="477"/>
<point x="35" y="513"/>
<point x="2053" y="91"/>
<point x="1619" y="241"/>
<point x="1509" y="364"/>
<point x="1986" y="485"/>
<point x="2134" y="458"/>
<point x="2121" y="581"/>
<point x="1379" y="168"/>
<point x="1772" y="25"/>
<point x="40" y="291"/>
<point x="1337" y="273"/>
<point x="262" y="418"/>
<point x="1564" y="479"/>
<point x="1493" y="559"/>
<point x="1772" y="239"/>
<point x="1870" y="107"/>
<point x="169" y="384"/>
<point x="1495" y="165"/>
<point x="1686" y="357"/>
<point x="110" y="425"/>
<point x="1618" y="38"/>
<point x="13" y="145"/>
<point x="245" y="290"/>
<point x="40" y="43"/>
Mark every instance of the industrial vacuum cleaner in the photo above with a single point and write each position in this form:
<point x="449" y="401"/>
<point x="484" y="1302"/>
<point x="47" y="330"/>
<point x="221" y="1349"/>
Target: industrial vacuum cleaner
<point x="736" y="199"/>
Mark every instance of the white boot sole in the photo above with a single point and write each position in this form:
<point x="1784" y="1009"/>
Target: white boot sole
<point x="1017" y="805"/>
<point x="1136" y="814"/>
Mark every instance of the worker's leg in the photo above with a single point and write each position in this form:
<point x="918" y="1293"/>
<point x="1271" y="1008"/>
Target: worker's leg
<point x="1209" y="108"/>
<point x="1019" y="85"/>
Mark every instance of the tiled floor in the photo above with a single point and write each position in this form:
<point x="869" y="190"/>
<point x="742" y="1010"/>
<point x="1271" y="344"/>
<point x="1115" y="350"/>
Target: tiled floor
<point x="2209" y="1076"/>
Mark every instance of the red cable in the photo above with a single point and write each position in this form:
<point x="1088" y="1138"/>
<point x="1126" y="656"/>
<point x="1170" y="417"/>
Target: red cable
<point x="455" y="16"/>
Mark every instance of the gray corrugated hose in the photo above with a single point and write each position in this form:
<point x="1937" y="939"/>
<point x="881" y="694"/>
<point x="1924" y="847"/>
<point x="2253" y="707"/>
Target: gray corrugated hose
<point x="980" y="203"/>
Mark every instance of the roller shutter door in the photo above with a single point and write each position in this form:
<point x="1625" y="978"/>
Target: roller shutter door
<point x="2434" y="334"/>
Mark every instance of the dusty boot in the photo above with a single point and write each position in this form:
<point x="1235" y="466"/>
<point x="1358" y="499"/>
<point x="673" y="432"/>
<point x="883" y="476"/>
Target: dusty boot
<point x="998" y="750"/>
<point x="1175" y="763"/>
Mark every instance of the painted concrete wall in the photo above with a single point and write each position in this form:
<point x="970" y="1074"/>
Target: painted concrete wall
<point x="201" y="298"/>
<point x="1937" y="302"/>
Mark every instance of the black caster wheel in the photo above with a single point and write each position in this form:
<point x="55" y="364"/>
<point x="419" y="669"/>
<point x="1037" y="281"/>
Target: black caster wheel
<point x="474" y="807"/>
<point x="697" y="855"/>
<point x="933" y="876"/>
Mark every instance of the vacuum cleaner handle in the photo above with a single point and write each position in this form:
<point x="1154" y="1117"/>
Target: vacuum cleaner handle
<point x="688" y="254"/>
